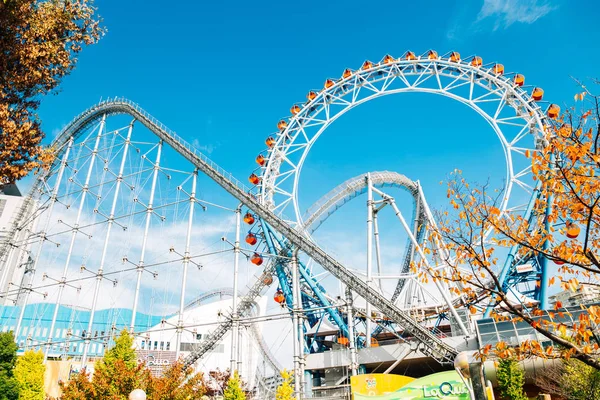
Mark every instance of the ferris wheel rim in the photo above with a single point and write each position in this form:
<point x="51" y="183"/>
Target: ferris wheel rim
<point x="537" y="121"/>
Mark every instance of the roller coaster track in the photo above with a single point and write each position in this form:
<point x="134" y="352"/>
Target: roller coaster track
<point x="258" y="338"/>
<point x="431" y="345"/>
<point x="353" y="187"/>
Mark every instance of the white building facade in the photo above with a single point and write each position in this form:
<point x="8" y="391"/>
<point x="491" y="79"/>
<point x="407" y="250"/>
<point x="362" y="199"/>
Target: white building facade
<point x="16" y="262"/>
<point x="158" y="346"/>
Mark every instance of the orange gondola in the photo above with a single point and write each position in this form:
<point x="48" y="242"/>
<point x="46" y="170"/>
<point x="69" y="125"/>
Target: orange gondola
<point x="388" y="59"/>
<point x="311" y="95"/>
<point x="249" y="218"/>
<point x="573" y="230"/>
<point x="410" y="56"/>
<point x="537" y="94"/>
<point x="519" y="80"/>
<point x="255" y="180"/>
<point x="553" y="111"/>
<point x="367" y="65"/>
<point x="279" y="297"/>
<point x="455" y="56"/>
<point x="270" y="142"/>
<point x="281" y="125"/>
<point x="260" y="160"/>
<point x="256" y="259"/>
<point x="476" y="61"/>
<point x="329" y="83"/>
<point x="295" y="109"/>
<point x="432" y="55"/>
<point x="499" y="69"/>
<point x="251" y="239"/>
<point x="267" y="279"/>
<point x="347" y="73"/>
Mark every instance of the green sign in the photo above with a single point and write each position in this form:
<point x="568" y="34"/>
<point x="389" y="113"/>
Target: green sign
<point x="443" y="385"/>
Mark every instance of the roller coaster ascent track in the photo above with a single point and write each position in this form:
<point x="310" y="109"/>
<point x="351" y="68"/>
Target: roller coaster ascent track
<point x="258" y="338"/>
<point x="431" y="345"/>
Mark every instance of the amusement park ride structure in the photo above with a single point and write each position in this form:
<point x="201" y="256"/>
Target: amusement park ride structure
<point x="280" y="232"/>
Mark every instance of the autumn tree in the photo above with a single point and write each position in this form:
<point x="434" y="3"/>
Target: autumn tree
<point x="29" y="373"/>
<point x="115" y="375"/>
<point x="564" y="229"/>
<point x="570" y="379"/>
<point x="216" y="382"/>
<point x="234" y="390"/>
<point x="9" y="387"/>
<point x="176" y="383"/>
<point x="79" y="387"/>
<point x="285" y="391"/>
<point x="511" y="380"/>
<point x="39" y="43"/>
<point x="118" y="374"/>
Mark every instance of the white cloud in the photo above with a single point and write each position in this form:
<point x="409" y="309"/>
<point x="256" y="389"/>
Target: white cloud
<point x="507" y="12"/>
<point x="207" y="148"/>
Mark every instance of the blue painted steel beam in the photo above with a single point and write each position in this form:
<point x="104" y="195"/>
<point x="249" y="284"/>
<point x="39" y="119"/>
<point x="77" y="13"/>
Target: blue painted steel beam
<point x="317" y="289"/>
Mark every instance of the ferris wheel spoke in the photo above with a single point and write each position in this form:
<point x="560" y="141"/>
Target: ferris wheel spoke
<point x="522" y="133"/>
<point x="425" y="75"/>
<point x="523" y="172"/>
<point x="521" y="150"/>
<point x="366" y="84"/>
<point x="500" y="107"/>
<point x="297" y="147"/>
<point x="485" y="97"/>
<point x="523" y="185"/>
<point x="457" y="83"/>
<point x="400" y="74"/>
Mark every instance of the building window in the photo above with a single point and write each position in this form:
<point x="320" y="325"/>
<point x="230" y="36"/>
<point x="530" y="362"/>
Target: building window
<point x="45" y="332"/>
<point x="57" y="333"/>
<point x="198" y="336"/>
<point x="24" y="331"/>
<point x="162" y="345"/>
<point x="143" y="344"/>
<point x="168" y="346"/>
<point x="38" y="331"/>
<point x="81" y="347"/>
<point x="155" y="345"/>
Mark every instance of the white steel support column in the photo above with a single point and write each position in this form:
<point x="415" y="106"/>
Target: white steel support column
<point x="53" y="198"/>
<point x="186" y="263"/>
<point x="110" y="222"/>
<point x="295" y="325"/>
<point x="369" y="328"/>
<point x="149" y="211"/>
<point x="439" y="286"/>
<point x="75" y="230"/>
<point x="239" y="352"/>
<point x="377" y="250"/>
<point x="352" y="338"/>
<point x="234" y="314"/>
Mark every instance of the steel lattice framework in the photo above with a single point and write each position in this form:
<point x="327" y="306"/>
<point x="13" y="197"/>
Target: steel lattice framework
<point x="514" y="114"/>
<point x="501" y="99"/>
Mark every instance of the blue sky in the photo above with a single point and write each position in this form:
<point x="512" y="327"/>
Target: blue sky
<point x="222" y="74"/>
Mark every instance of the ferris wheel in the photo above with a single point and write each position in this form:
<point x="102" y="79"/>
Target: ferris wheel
<point x="502" y="99"/>
<point x="514" y="111"/>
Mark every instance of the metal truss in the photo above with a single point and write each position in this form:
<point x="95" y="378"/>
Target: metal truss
<point x="515" y="117"/>
<point x="432" y="345"/>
